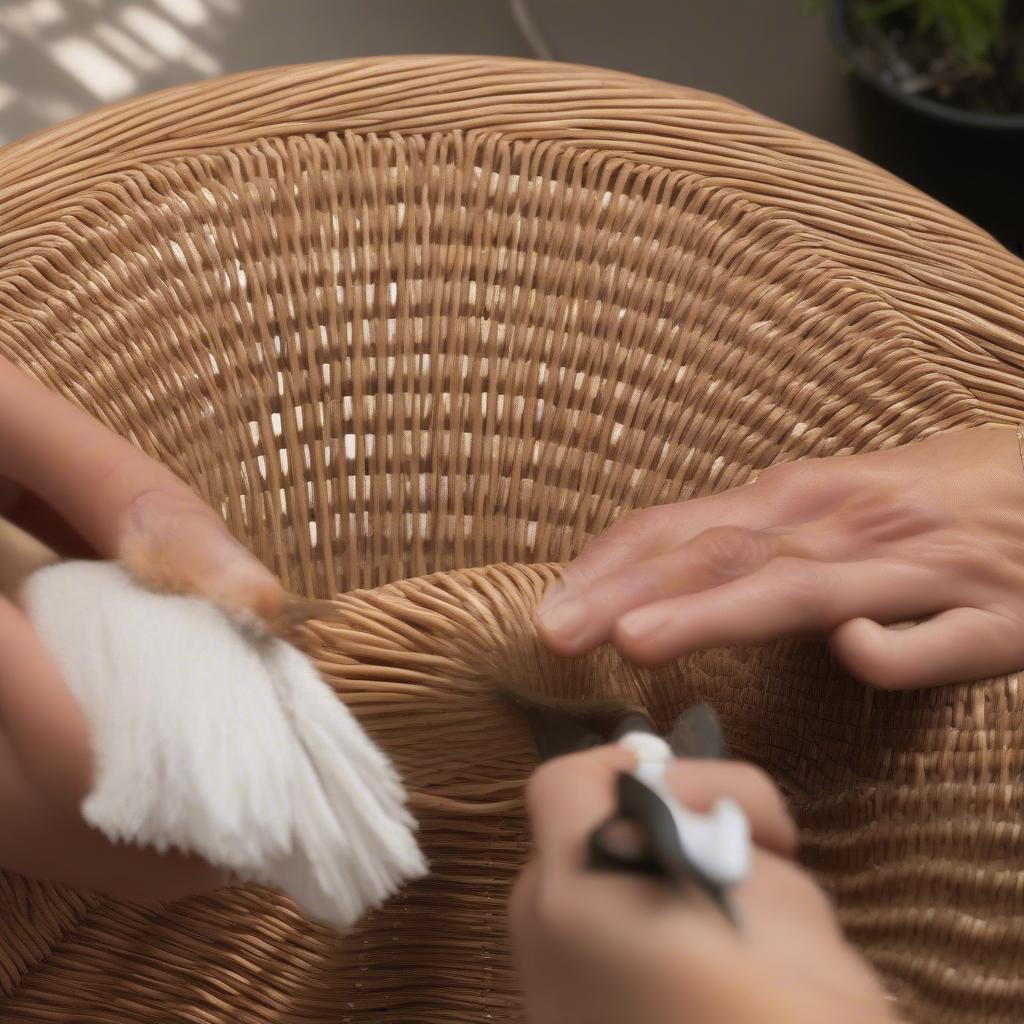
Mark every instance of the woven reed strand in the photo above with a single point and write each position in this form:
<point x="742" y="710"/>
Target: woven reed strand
<point x="398" y="319"/>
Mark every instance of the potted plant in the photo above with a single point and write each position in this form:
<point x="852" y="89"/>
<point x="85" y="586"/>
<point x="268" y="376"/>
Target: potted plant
<point x="939" y="90"/>
<point x="955" y="60"/>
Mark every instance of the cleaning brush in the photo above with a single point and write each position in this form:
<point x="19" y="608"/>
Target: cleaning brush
<point x="213" y="740"/>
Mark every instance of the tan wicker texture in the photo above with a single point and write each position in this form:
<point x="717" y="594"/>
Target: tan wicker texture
<point x="438" y="321"/>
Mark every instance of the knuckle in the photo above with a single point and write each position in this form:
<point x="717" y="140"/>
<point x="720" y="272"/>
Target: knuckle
<point x="966" y="557"/>
<point x="878" y="512"/>
<point x="730" y="550"/>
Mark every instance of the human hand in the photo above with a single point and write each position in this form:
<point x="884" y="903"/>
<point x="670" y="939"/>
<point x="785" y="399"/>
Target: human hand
<point x="605" y="948"/>
<point x="843" y="546"/>
<point x="124" y="506"/>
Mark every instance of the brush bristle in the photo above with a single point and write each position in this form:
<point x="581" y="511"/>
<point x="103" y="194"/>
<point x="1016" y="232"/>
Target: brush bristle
<point x="217" y="743"/>
<point x="571" y="705"/>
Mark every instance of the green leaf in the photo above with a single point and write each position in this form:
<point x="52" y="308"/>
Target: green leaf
<point x="969" y="29"/>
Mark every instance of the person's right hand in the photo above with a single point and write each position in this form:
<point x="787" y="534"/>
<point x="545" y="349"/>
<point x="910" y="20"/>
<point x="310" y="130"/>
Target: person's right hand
<point x="124" y="506"/>
<point x="844" y="547"/>
<point x="607" y="948"/>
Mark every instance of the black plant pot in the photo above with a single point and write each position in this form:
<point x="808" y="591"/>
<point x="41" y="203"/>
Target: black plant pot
<point x="973" y="162"/>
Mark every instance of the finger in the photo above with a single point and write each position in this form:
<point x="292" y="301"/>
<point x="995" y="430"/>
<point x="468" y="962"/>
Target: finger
<point x="642" y="533"/>
<point x="779" y="496"/>
<point x="580" y="622"/>
<point x="123" y="503"/>
<point x="44" y="839"/>
<point x="41" y="720"/>
<point x="537" y="965"/>
<point x="958" y="645"/>
<point x="567" y="798"/>
<point x="788" y="597"/>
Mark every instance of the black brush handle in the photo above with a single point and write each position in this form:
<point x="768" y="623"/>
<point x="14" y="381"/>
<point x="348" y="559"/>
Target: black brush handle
<point x="635" y="803"/>
<point x="698" y="733"/>
<point x="556" y="732"/>
<point x="632" y="721"/>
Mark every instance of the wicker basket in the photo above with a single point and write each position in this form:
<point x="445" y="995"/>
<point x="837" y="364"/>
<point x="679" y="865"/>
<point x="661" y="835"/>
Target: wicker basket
<point x="419" y="328"/>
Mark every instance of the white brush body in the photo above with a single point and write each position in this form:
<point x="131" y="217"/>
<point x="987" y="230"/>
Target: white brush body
<point x="215" y="742"/>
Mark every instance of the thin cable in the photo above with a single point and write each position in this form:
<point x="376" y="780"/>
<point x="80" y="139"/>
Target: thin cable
<point x="530" y="31"/>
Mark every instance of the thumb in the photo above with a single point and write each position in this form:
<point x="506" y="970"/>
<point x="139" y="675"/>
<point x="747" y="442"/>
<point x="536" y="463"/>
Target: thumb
<point x="125" y="504"/>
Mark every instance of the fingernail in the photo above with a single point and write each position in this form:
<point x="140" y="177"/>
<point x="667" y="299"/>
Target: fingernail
<point x="642" y="622"/>
<point x="173" y="543"/>
<point x="564" y="617"/>
<point x="239" y="584"/>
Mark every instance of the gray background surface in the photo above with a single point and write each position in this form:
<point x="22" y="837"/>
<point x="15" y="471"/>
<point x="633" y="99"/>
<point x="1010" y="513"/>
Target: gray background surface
<point x="59" y="58"/>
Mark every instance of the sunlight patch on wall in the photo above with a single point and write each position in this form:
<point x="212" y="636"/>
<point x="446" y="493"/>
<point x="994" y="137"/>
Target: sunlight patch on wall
<point x="163" y="38"/>
<point x="188" y="12"/>
<point x="91" y="67"/>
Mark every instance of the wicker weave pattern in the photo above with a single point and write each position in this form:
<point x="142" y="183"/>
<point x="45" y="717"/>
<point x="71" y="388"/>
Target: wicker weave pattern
<point x="409" y="317"/>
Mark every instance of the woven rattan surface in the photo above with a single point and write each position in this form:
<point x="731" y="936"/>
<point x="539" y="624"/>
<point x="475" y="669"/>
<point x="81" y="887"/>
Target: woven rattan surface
<point x="420" y="327"/>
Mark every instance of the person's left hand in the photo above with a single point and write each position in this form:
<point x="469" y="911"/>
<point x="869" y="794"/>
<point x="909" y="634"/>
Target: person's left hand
<point x="841" y="546"/>
<point x="94" y="487"/>
<point x="602" y="948"/>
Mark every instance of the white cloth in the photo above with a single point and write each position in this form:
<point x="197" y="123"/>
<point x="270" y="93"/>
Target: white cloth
<point x="230" y="746"/>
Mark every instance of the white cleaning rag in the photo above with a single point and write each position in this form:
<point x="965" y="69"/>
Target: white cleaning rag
<point x="215" y="742"/>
